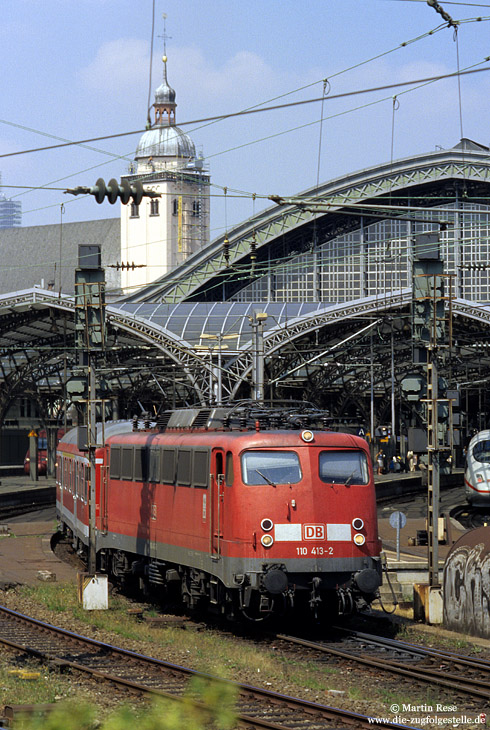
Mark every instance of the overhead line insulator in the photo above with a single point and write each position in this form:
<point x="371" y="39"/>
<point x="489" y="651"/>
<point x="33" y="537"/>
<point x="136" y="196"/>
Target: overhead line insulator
<point x="123" y="190"/>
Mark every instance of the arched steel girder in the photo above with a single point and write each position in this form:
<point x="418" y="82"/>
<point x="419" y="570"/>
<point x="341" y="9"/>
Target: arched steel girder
<point x="335" y="323"/>
<point x="238" y="368"/>
<point x="178" y="351"/>
<point x="26" y="319"/>
<point x="200" y="273"/>
<point x="36" y="378"/>
<point x="275" y="339"/>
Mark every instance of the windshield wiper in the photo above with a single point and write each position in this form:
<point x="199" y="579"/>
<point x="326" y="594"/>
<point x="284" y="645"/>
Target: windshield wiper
<point x="269" y="481"/>
<point x="347" y="481"/>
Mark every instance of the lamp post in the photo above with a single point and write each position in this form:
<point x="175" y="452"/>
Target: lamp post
<point x="257" y="323"/>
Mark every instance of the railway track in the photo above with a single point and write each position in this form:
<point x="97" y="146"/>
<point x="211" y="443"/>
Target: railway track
<point x="455" y="672"/>
<point x="255" y="708"/>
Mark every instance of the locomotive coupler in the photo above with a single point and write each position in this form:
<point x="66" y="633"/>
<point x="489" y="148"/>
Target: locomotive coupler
<point x="315" y="598"/>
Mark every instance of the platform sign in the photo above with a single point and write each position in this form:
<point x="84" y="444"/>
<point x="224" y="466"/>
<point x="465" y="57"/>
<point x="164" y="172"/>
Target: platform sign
<point x="398" y="520"/>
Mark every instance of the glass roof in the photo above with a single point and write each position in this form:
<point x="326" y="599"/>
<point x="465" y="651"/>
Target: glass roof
<point x="199" y="323"/>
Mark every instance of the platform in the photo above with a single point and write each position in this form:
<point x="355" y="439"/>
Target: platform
<point x="25" y="551"/>
<point x="21" y="492"/>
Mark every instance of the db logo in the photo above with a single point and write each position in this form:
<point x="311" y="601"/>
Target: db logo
<point x="314" y="532"/>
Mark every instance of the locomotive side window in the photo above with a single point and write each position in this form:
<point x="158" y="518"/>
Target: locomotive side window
<point x="481" y="452"/>
<point x="184" y="467"/>
<point x="168" y="466"/>
<point x="343" y="467"/>
<point x="127" y="462"/>
<point x="154" y="464"/>
<point x="200" y="468"/>
<point x="115" y="457"/>
<point x="229" y="469"/>
<point x="140" y="466"/>
<point x="271" y="467"/>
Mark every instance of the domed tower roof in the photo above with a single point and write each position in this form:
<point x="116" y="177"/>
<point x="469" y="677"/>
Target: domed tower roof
<point x="164" y="139"/>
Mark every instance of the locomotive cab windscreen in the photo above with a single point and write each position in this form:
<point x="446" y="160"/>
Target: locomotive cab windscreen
<point x="271" y="467"/>
<point x="343" y="467"/>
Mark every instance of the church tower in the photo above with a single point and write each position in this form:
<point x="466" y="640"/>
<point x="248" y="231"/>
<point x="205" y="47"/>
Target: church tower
<point x="161" y="233"/>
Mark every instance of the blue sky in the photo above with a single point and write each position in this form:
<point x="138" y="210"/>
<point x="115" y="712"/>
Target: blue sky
<point x="80" y="69"/>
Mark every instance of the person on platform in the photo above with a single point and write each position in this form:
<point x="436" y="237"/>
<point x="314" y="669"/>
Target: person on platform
<point x="411" y="461"/>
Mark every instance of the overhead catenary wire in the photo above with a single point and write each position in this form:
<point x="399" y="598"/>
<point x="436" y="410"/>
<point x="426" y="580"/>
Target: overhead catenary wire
<point x="249" y="143"/>
<point x="150" y="69"/>
<point x="300" y="263"/>
<point x="448" y="2"/>
<point x="276" y="107"/>
<point x="402" y="45"/>
<point x="288" y="261"/>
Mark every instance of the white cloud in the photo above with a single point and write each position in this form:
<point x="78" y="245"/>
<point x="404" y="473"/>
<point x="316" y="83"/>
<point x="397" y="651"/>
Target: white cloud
<point x="119" y="67"/>
<point x="242" y="74"/>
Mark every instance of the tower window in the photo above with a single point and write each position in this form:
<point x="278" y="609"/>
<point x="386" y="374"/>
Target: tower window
<point x="154" y="207"/>
<point x="175" y="206"/>
<point x="135" y="210"/>
<point x="196" y="208"/>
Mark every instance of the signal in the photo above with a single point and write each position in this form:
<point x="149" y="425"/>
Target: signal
<point x="124" y="190"/>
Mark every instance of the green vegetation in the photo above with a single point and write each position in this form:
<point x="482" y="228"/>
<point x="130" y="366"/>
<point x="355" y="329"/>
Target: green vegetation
<point x="43" y="687"/>
<point x="207" y="705"/>
<point x="439" y="638"/>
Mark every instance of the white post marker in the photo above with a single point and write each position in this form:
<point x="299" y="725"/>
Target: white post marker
<point x="398" y="520"/>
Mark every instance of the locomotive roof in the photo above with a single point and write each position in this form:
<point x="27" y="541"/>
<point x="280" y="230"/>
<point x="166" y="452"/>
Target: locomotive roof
<point x="250" y="438"/>
<point x="111" y="428"/>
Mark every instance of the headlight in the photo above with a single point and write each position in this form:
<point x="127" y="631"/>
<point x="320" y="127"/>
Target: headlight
<point x="359" y="539"/>
<point x="307" y="436"/>
<point x="267" y="524"/>
<point x="357" y="523"/>
<point x="479" y="478"/>
<point x="266" y="540"/>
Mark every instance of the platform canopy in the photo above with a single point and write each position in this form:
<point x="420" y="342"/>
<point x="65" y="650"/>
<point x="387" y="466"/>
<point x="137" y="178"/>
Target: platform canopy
<point x="340" y="357"/>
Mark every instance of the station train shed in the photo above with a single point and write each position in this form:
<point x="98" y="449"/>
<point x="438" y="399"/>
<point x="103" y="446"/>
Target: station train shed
<point x="310" y="300"/>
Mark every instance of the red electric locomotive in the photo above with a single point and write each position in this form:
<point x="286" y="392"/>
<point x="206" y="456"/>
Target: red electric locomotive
<point x="245" y="520"/>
